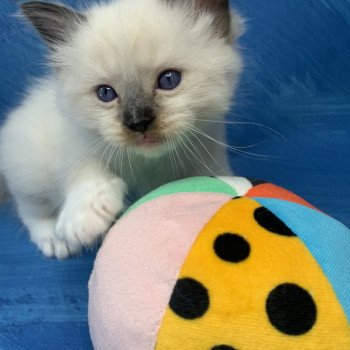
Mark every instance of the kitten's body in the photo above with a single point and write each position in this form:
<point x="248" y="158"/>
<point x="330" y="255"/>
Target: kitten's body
<point x="69" y="161"/>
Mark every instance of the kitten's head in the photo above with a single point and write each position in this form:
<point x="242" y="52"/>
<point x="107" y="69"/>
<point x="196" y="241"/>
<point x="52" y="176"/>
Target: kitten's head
<point x="142" y="72"/>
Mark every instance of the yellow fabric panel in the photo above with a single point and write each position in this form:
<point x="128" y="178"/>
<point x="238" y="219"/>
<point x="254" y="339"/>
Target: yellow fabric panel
<point x="238" y="291"/>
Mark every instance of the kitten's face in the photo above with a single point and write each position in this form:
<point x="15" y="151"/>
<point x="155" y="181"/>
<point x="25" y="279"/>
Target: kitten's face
<point x="140" y="73"/>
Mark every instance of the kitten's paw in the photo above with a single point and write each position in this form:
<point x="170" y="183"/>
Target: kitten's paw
<point x="55" y="248"/>
<point x="89" y="212"/>
<point x="42" y="233"/>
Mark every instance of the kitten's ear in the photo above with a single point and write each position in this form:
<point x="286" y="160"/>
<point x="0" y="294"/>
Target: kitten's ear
<point x="55" y="23"/>
<point x="221" y="11"/>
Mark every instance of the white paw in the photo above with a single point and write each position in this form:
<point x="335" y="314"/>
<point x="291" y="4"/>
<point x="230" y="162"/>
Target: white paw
<point x="89" y="211"/>
<point x="42" y="233"/>
<point x="55" y="248"/>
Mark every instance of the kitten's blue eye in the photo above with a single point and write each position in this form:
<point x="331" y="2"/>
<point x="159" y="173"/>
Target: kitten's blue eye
<point x="169" y="80"/>
<point x="105" y="93"/>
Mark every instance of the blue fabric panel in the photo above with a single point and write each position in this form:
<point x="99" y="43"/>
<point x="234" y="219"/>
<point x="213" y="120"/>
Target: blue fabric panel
<point x="295" y="82"/>
<point x="327" y="239"/>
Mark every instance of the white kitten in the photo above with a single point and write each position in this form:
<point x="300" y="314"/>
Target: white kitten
<point x="135" y="83"/>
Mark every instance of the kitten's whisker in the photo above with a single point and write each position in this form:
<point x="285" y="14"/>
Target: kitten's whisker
<point x="135" y="162"/>
<point x="231" y="148"/>
<point x="195" y="148"/>
<point x="105" y="169"/>
<point x="102" y="158"/>
<point x="110" y="157"/>
<point x="122" y="163"/>
<point x="131" y="169"/>
<point x="168" y="145"/>
<point x="136" y="165"/>
<point x="178" y="154"/>
<point x="115" y="159"/>
<point x="91" y="148"/>
<point x="118" y="167"/>
<point x="206" y="149"/>
<point x="194" y="155"/>
<point x="180" y="142"/>
<point x="96" y="145"/>
<point x="236" y="147"/>
<point x="174" y="166"/>
<point x="175" y="157"/>
<point x="227" y="122"/>
<point x="33" y="63"/>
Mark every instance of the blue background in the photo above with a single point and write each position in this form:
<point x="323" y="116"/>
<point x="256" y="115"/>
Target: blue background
<point x="296" y="81"/>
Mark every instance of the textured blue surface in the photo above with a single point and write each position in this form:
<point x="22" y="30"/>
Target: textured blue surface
<point x="296" y="82"/>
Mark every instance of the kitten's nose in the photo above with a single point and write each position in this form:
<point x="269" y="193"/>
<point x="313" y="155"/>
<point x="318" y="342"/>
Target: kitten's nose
<point x="140" y="126"/>
<point x="138" y="119"/>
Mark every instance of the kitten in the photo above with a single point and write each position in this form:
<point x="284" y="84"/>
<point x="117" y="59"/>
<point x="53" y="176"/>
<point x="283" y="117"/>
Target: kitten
<point x="128" y="106"/>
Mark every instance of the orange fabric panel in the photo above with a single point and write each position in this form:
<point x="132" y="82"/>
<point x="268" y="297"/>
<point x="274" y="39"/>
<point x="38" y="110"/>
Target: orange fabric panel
<point x="272" y="191"/>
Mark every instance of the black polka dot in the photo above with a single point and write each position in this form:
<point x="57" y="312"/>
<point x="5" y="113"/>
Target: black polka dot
<point x="223" y="347"/>
<point x="190" y="299"/>
<point x="231" y="247"/>
<point x="256" y="182"/>
<point x="271" y="222"/>
<point x="291" y="309"/>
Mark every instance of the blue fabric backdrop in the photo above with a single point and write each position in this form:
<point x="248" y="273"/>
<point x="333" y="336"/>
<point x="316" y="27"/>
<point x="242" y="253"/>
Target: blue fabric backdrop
<point x="297" y="82"/>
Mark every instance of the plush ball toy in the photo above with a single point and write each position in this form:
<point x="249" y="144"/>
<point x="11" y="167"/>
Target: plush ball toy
<point x="222" y="264"/>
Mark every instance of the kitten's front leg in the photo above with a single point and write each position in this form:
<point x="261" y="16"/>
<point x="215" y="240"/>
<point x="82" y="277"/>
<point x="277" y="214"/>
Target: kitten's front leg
<point x="90" y="208"/>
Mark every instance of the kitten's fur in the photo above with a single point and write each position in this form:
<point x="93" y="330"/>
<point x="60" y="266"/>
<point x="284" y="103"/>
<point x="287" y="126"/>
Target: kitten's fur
<point x="67" y="158"/>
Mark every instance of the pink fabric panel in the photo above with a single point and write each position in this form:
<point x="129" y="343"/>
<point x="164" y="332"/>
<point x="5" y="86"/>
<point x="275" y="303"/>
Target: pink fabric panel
<point x="136" y="268"/>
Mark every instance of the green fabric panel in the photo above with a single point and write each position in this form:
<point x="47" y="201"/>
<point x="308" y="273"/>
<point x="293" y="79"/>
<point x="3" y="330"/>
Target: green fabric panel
<point x="192" y="184"/>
